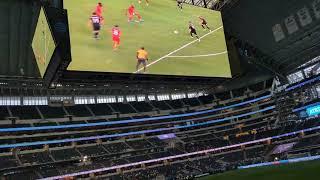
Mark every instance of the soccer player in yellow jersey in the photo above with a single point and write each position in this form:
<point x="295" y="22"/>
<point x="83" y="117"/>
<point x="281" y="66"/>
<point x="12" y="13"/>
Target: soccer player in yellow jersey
<point x="142" y="58"/>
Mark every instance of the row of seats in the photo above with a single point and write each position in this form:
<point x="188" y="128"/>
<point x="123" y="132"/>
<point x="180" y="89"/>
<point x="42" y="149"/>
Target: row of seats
<point x="132" y="127"/>
<point x="226" y="160"/>
<point x="154" y="147"/>
<point x="33" y="112"/>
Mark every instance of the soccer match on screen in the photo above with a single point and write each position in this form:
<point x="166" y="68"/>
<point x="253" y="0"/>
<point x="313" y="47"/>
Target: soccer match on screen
<point x="159" y="90"/>
<point x="43" y="43"/>
<point x="164" y="37"/>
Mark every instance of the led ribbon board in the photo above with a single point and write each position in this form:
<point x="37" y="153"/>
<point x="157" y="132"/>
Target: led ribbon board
<point x="313" y="111"/>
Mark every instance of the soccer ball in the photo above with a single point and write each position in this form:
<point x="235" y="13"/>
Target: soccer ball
<point x="176" y="32"/>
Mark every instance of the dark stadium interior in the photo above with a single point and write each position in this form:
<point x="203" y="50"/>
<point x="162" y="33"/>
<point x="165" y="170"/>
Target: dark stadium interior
<point x="114" y="126"/>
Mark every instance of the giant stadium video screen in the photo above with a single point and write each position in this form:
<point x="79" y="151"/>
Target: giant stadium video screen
<point x="43" y="44"/>
<point x="110" y="37"/>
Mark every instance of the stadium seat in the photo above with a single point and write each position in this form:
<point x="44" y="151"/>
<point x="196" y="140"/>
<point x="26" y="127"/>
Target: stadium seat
<point x="142" y="106"/>
<point x="7" y="162"/>
<point x="78" y="111"/>
<point x="175" y="104"/>
<point x="123" y="108"/>
<point x="100" y="109"/>
<point x="191" y="102"/>
<point x="65" y="154"/>
<point x="161" y="105"/>
<point x="206" y="99"/>
<point x="3" y="112"/>
<point x="91" y="150"/>
<point x="52" y="112"/>
<point x="35" y="158"/>
<point x="25" y="112"/>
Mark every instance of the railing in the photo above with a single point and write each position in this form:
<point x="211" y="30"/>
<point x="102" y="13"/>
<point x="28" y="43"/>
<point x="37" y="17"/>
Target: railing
<point x="3" y="146"/>
<point x="133" y="120"/>
<point x="180" y="156"/>
<point x="311" y="158"/>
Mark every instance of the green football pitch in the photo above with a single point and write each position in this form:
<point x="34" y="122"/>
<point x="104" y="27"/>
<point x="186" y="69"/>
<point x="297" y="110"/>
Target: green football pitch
<point x="295" y="171"/>
<point x="170" y="53"/>
<point x="43" y="44"/>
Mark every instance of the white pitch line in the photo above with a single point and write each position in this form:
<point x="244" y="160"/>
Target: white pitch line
<point x="194" y="56"/>
<point x="182" y="47"/>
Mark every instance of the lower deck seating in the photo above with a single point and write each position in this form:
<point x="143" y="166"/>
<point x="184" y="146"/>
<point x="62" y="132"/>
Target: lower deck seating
<point x="117" y="147"/>
<point x="92" y="150"/>
<point x="65" y="154"/>
<point x="139" y="144"/>
<point x="255" y="152"/>
<point x="38" y="158"/>
<point x="233" y="157"/>
<point x="7" y="162"/>
<point x="48" y="171"/>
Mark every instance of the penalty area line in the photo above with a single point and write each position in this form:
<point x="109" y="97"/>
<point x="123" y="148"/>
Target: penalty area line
<point x="182" y="47"/>
<point x="195" y="56"/>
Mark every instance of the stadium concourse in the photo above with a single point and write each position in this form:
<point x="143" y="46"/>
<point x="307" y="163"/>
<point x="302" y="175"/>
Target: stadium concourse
<point x="262" y="123"/>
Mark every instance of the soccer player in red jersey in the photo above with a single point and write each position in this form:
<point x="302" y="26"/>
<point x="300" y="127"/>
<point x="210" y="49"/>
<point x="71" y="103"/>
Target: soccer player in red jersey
<point x="131" y="12"/>
<point x="99" y="9"/>
<point x="116" y="33"/>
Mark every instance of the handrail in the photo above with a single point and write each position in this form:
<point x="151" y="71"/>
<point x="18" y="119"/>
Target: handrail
<point x="300" y="84"/>
<point x="179" y="156"/>
<point x="305" y="107"/>
<point x="2" y="146"/>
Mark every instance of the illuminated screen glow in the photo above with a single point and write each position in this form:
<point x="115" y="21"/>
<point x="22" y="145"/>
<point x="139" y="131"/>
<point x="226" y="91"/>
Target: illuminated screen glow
<point x="283" y="148"/>
<point x="43" y="44"/>
<point x="167" y="136"/>
<point x="313" y="111"/>
<point x="163" y="31"/>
